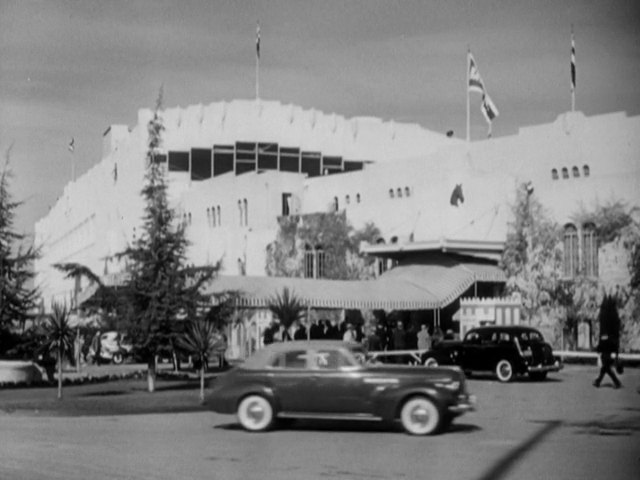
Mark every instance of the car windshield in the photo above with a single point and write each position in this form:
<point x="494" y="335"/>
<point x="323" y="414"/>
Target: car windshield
<point x="531" y="336"/>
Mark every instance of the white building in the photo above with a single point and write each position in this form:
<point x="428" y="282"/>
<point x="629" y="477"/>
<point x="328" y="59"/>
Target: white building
<point x="234" y="167"/>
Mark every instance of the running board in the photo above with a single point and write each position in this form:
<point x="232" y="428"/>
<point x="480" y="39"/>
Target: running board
<point x="330" y="416"/>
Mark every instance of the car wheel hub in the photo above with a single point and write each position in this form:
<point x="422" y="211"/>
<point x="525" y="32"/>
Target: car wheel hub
<point x="420" y="416"/>
<point x="256" y="412"/>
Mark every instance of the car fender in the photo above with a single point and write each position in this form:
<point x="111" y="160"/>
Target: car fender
<point x="388" y="402"/>
<point x="263" y="390"/>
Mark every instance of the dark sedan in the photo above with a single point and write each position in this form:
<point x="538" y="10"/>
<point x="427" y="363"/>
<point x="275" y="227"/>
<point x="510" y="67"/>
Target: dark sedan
<point x="326" y="379"/>
<point x="506" y="351"/>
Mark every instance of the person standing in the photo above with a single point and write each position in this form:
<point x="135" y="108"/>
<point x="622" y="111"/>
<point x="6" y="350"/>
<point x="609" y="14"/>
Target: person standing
<point x="424" y="339"/>
<point x="349" y="334"/>
<point x="606" y="348"/>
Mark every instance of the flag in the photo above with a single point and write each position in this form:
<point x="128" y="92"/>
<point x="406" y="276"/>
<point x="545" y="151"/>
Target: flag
<point x="258" y="40"/>
<point x="475" y="80"/>
<point x="488" y="108"/>
<point x="72" y="144"/>
<point x="573" y="62"/>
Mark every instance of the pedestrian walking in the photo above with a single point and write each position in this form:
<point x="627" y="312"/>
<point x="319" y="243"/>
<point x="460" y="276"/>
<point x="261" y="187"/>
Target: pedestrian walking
<point x="606" y="348"/>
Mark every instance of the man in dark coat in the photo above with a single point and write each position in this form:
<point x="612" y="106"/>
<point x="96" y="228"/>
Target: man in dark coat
<point x="606" y="347"/>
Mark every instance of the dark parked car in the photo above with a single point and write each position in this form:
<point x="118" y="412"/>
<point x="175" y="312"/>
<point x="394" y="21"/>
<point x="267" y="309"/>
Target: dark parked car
<point x="327" y="379"/>
<point x="506" y="351"/>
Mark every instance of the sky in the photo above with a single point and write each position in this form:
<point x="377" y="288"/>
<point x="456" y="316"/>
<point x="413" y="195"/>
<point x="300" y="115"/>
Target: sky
<point x="69" y="69"/>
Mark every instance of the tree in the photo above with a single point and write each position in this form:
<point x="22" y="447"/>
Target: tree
<point x="532" y="258"/>
<point x="287" y="307"/>
<point x="161" y="290"/>
<point x="201" y="338"/>
<point x="18" y="299"/>
<point x="59" y="338"/>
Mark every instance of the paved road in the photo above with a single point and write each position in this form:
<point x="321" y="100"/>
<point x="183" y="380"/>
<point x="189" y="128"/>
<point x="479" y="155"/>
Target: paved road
<point x="560" y="429"/>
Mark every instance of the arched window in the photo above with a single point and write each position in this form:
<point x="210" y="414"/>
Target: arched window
<point x="575" y="171"/>
<point x="399" y="193"/>
<point x="208" y="217"/>
<point x="245" y="206"/>
<point x="219" y="217"/>
<point x="308" y="261"/>
<point x="213" y="216"/>
<point x="357" y="198"/>
<point x="240" y="212"/>
<point x="407" y="192"/>
<point x="391" y="193"/>
<point x="554" y="174"/>
<point x="394" y="239"/>
<point x="319" y="262"/>
<point x="347" y="200"/>
<point x="589" y="250"/>
<point x="314" y="261"/>
<point x="336" y="204"/>
<point x="565" y="172"/>
<point x="585" y="170"/>
<point x="189" y="218"/>
<point x="570" y="251"/>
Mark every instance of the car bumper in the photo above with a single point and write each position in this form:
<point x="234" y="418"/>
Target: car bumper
<point x="545" y="368"/>
<point x="466" y="403"/>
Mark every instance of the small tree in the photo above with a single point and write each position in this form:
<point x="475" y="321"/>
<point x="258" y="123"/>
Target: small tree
<point x="287" y="307"/>
<point x="59" y="338"/>
<point x="201" y="339"/>
<point x="18" y="299"/>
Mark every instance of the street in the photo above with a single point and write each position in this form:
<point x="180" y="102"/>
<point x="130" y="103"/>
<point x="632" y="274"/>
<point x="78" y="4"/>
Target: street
<point x="562" y="428"/>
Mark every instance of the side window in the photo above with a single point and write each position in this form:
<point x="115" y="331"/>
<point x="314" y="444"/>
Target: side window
<point x="472" y="337"/>
<point x="501" y="337"/>
<point x="330" y="360"/>
<point x="295" y="359"/>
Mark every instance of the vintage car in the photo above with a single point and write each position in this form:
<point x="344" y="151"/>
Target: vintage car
<point x="330" y="379"/>
<point x="506" y="351"/>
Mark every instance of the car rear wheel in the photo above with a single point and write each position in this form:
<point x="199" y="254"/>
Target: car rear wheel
<point x="504" y="371"/>
<point x="255" y="413"/>
<point x="420" y="416"/>
<point x="430" y="362"/>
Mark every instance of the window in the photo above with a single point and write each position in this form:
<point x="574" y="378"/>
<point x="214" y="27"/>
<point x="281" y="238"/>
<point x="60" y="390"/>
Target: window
<point x="245" y="206"/>
<point x="331" y="360"/>
<point x="391" y="193"/>
<point x="585" y="170"/>
<point x="336" y="205"/>
<point x="575" y="171"/>
<point x="208" y="217"/>
<point x="178" y="161"/>
<point x="219" y="217"/>
<point x="407" y="192"/>
<point x="200" y="163"/>
<point x="570" y="253"/>
<point x="286" y="204"/>
<point x="554" y="174"/>
<point x="347" y="200"/>
<point x="589" y="250"/>
<point x="213" y="216"/>
<point x="240" y="212"/>
<point x="357" y="198"/>
<point x="314" y="262"/>
<point x="565" y="172"/>
<point x="223" y="156"/>
<point x="399" y="193"/>
<point x="295" y="359"/>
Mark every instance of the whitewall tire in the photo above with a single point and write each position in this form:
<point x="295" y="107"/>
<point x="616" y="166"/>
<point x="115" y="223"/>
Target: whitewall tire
<point x="504" y="371"/>
<point x="430" y="362"/>
<point x="255" y="413"/>
<point x="420" y="416"/>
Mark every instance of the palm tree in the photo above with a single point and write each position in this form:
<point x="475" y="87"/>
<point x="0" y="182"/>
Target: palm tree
<point x="59" y="338"/>
<point x="287" y="307"/>
<point x="201" y="338"/>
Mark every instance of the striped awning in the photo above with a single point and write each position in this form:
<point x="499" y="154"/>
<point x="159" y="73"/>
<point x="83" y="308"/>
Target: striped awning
<point x="409" y="287"/>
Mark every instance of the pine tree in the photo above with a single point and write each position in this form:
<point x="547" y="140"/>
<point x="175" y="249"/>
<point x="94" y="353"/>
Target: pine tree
<point x="18" y="297"/>
<point x="162" y="290"/>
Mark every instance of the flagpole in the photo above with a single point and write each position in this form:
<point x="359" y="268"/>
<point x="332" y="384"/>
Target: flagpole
<point x="258" y="61"/>
<point x="467" y="88"/>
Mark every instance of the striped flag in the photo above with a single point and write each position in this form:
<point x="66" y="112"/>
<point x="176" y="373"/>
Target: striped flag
<point x="475" y="80"/>
<point x="258" y="40"/>
<point x="573" y="62"/>
<point x="72" y="144"/>
<point x="489" y="110"/>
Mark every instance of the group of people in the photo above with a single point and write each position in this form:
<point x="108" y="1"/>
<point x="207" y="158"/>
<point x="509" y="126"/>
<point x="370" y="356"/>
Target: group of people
<point x="375" y="337"/>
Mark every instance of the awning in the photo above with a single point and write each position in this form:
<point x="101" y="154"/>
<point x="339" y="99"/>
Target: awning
<point x="409" y="287"/>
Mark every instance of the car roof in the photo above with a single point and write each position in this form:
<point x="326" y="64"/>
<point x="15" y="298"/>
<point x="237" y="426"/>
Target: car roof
<point x="262" y="356"/>
<point x="504" y="328"/>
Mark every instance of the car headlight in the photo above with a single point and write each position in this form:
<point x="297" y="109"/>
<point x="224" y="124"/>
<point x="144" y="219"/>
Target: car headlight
<point x="454" y="385"/>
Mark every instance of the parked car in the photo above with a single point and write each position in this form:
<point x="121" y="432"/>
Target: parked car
<point x="330" y="379"/>
<point x="114" y="348"/>
<point x="506" y="351"/>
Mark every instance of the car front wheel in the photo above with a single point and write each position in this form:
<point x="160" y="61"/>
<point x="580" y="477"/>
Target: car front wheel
<point x="255" y="413"/>
<point x="117" y="358"/>
<point x="504" y="371"/>
<point x="420" y="416"/>
<point x="430" y="362"/>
